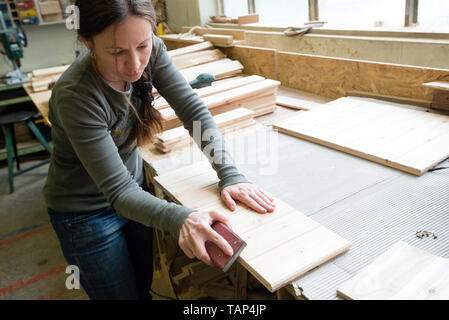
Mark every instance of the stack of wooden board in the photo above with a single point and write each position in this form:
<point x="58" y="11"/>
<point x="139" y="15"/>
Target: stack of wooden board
<point x="44" y="79"/>
<point x="401" y="273"/>
<point x="403" y="138"/>
<point x="254" y="92"/>
<point x="281" y="246"/>
<point x="230" y="121"/>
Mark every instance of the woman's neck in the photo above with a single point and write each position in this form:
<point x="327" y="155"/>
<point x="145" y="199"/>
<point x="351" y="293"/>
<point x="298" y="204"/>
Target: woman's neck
<point x="117" y="85"/>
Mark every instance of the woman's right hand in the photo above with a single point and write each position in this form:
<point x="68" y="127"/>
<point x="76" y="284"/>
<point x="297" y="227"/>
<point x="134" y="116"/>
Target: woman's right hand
<point x="197" y="229"/>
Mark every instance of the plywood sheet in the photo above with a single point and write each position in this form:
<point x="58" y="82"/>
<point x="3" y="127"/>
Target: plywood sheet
<point x="401" y="273"/>
<point x="260" y="61"/>
<point x="281" y="246"/>
<point x="403" y="138"/>
<point x="333" y="77"/>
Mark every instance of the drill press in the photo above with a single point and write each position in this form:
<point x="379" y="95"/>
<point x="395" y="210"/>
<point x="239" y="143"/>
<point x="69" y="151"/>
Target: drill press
<point x="13" y="43"/>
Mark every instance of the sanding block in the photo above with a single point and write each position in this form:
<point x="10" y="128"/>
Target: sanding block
<point x="221" y="259"/>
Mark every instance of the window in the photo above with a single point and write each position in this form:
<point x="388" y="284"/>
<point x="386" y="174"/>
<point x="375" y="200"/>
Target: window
<point x="235" y="8"/>
<point x="284" y="12"/>
<point x="433" y="13"/>
<point x="366" y="13"/>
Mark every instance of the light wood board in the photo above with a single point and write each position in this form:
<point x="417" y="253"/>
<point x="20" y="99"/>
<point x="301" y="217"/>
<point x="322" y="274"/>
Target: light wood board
<point x="216" y="87"/>
<point x="196" y="58"/>
<point x="40" y="100"/>
<point x="190" y="49"/>
<point x="222" y="68"/>
<point x="281" y="246"/>
<point x="401" y="273"/>
<point x="403" y="138"/>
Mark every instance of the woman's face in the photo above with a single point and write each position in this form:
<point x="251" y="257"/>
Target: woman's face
<point x="123" y="50"/>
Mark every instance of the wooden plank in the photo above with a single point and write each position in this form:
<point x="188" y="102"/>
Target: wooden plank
<point x="190" y="49"/>
<point x="40" y="100"/>
<point x="189" y="39"/>
<point x="290" y="102"/>
<point x="403" y="272"/>
<point x="333" y="77"/>
<point x="227" y="97"/>
<point x="196" y="58"/>
<point x="219" y="40"/>
<point x="401" y="100"/>
<point x="402" y="138"/>
<point x="221" y="69"/>
<point x="250" y="18"/>
<point x="299" y="242"/>
<point x="49" y="71"/>
<point x="235" y="33"/>
<point x="216" y="87"/>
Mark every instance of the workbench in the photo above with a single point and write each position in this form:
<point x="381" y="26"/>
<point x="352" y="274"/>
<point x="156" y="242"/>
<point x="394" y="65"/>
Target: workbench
<point x="371" y="205"/>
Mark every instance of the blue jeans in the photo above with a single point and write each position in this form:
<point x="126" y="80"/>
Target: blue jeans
<point x="114" y="255"/>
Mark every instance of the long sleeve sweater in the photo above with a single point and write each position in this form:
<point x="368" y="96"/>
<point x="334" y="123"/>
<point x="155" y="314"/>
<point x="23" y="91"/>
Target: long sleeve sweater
<point x="96" y="162"/>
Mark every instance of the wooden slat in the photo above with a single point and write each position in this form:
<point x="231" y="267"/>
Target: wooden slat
<point x="221" y="69"/>
<point x="216" y="87"/>
<point x="49" y="71"/>
<point x="281" y="246"/>
<point x="235" y="33"/>
<point x="196" y="58"/>
<point x="219" y="40"/>
<point x="401" y="273"/>
<point x="290" y="102"/>
<point x="190" y="49"/>
<point x="250" y="18"/>
<point x="402" y="138"/>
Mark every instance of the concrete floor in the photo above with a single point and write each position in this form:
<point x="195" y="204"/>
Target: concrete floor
<point x="32" y="266"/>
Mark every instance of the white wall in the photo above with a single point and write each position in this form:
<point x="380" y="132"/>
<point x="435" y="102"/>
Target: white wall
<point x="48" y="46"/>
<point x="189" y="13"/>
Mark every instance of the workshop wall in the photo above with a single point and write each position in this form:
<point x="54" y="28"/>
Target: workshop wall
<point x="48" y="46"/>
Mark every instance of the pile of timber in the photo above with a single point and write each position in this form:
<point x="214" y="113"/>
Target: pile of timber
<point x="220" y="37"/>
<point x="253" y="92"/>
<point x="44" y="79"/>
<point x="227" y="122"/>
<point x="236" y="91"/>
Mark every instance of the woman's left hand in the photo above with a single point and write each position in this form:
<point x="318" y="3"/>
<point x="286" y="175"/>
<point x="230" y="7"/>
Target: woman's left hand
<point x="249" y="194"/>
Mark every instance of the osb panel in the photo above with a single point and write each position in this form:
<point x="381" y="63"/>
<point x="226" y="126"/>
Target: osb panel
<point x="333" y="77"/>
<point x="259" y="61"/>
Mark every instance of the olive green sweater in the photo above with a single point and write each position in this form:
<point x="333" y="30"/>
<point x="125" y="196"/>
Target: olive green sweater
<point x="96" y="162"/>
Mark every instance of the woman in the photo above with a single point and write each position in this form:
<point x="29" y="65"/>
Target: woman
<point x="101" y="110"/>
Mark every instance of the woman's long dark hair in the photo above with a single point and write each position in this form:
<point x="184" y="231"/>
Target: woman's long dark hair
<point x="95" y="17"/>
